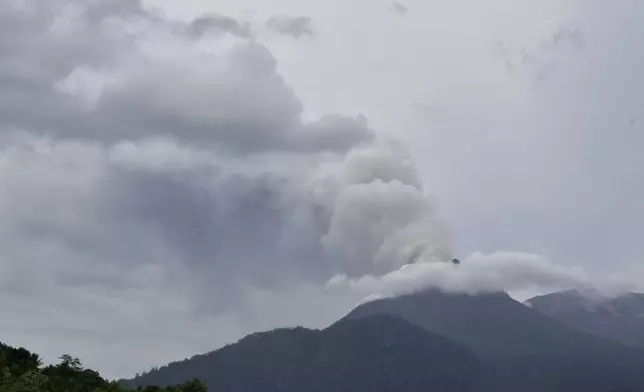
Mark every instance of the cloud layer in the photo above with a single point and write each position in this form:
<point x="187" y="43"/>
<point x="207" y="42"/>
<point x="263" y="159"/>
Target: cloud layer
<point x="207" y="155"/>
<point x="478" y="273"/>
<point x="145" y="160"/>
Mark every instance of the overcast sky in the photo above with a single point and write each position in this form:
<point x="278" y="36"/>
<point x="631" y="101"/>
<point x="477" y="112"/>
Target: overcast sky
<point x="175" y="175"/>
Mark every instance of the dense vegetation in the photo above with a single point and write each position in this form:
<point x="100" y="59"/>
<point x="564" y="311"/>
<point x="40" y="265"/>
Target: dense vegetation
<point x="22" y="371"/>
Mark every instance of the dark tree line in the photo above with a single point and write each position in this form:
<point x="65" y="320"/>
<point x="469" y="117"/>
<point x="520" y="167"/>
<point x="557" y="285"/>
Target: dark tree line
<point x="23" y="371"/>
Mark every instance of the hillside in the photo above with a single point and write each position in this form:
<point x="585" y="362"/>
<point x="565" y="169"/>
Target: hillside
<point x="493" y="325"/>
<point x="617" y="318"/>
<point x="521" y="349"/>
<point x="379" y="353"/>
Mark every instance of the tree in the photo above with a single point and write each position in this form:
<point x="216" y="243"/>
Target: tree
<point x="194" y="386"/>
<point x="32" y="381"/>
<point x="20" y="371"/>
<point x="70" y="362"/>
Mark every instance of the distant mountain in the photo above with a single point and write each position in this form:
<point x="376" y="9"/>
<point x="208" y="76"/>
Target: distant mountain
<point x="372" y="354"/>
<point x="521" y="348"/>
<point x="618" y="318"/>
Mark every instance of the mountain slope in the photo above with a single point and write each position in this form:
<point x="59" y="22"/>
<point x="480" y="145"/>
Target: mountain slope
<point x="620" y="318"/>
<point x="493" y="325"/>
<point x="521" y="349"/>
<point x="419" y="343"/>
<point x="378" y="353"/>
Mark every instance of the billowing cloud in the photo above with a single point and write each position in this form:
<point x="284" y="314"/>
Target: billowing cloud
<point x="113" y="75"/>
<point x="146" y="160"/>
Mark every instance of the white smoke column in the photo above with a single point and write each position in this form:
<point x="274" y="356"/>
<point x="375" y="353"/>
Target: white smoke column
<point x="379" y="215"/>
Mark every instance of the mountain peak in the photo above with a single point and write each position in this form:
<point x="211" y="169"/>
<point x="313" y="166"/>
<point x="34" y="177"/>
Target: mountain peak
<point x="493" y="325"/>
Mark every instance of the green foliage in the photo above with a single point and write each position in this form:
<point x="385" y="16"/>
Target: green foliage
<point x="22" y="371"/>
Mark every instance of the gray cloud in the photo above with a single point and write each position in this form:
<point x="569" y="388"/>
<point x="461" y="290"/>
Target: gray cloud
<point x="296" y="27"/>
<point x="91" y="77"/>
<point x="138" y="188"/>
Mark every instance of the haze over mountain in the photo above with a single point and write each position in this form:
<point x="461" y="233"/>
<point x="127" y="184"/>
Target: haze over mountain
<point x="620" y="318"/>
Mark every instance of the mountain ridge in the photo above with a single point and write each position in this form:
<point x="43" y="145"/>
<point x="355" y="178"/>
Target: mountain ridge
<point x="619" y="318"/>
<point x="476" y="321"/>
<point x="377" y="353"/>
<point x="423" y="341"/>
